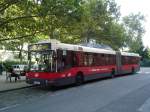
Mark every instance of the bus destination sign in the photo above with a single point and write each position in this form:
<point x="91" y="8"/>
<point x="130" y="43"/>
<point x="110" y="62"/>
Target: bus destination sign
<point x="40" y="47"/>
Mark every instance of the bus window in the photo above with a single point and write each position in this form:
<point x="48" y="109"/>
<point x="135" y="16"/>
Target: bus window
<point x="66" y="60"/>
<point x="79" y="58"/>
<point x="74" y="59"/>
<point x="90" y="59"/>
<point x="95" y="59"/>
<point x="60" y="60"/>
<point x="85" y="60"/>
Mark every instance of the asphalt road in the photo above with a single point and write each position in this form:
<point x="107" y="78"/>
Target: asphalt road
<point x="129" y="93"/>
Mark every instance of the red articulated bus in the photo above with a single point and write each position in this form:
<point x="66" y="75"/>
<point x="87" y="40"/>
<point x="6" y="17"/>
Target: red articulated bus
<point x="54" y="63"/>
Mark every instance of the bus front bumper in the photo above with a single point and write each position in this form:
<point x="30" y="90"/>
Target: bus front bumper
<point x="54" y="82"/>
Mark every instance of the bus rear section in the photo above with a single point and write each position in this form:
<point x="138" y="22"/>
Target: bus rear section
<point x="127" y="63"/>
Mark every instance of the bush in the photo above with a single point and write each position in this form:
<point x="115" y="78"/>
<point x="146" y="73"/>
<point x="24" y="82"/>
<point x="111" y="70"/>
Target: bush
<point x="8" y="64"/>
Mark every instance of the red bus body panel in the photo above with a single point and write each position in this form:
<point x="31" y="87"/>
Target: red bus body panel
<point x="68" y="76"/>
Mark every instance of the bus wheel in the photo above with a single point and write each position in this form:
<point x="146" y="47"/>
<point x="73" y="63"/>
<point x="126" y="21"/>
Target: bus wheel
<point x="79" y="79"/>
<point x="133" y="70"/>
<point x="112" y="73"/>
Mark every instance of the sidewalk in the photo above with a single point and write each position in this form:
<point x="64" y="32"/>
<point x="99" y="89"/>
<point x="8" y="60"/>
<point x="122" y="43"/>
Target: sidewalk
<point x="7" y="85"/>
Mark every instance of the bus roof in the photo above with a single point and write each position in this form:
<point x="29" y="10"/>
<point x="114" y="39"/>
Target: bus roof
<point x="83" y="48"/>
<point x="129" y="54"/>
<point x="58" y="45"/>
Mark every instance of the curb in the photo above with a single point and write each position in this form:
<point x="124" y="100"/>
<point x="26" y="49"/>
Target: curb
<point x="14" y="89"/>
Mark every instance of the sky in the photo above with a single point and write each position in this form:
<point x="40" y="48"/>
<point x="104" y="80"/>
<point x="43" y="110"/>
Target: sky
<point x="135" y="6"/>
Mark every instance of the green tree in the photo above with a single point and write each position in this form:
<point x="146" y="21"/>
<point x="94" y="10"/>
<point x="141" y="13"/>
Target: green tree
<point x="146" y="53"/>
<point x="29" y="18"/>
<point x="134" y="31"/>
<point x="100" y="22"/>
<point x="27" y="21"/>
<point x="71" y="21"/>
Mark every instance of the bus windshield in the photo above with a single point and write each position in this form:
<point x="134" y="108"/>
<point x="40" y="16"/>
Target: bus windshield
<point x="42" y="61"/>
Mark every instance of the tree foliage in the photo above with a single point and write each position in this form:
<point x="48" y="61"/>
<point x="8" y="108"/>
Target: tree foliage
<point x="134" y="32"/>
<point x="71" y="21"/>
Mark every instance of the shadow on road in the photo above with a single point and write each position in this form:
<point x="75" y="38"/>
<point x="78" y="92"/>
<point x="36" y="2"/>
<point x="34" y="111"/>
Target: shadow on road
<point x="54" y="89"/>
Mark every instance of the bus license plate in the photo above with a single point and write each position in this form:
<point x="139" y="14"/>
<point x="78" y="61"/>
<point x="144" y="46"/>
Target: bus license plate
<point x="36" y="82"/>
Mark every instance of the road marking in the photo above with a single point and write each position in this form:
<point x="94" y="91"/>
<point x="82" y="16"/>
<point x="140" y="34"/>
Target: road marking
<point x="8" y="107"/>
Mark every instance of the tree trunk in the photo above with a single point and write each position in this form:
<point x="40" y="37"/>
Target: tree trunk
<point x="20" y="53"/>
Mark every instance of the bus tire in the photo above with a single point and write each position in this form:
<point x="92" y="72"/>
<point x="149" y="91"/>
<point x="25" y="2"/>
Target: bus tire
<point x="113" y="73"/>
<point x="133" y="70"/>
<point x="79" y="79"/>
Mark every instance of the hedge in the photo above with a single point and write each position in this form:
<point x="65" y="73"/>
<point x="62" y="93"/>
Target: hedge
<point x="145" y="63"/>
